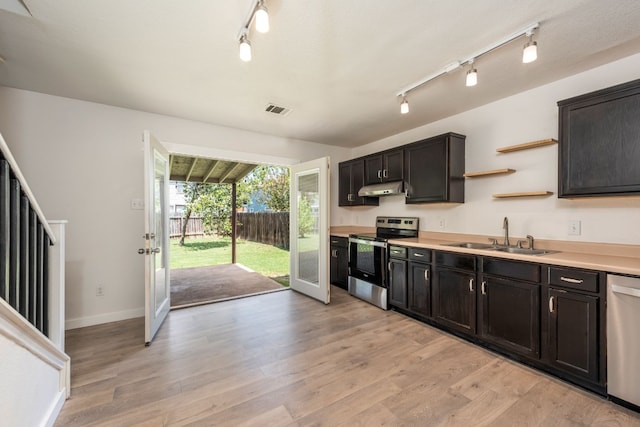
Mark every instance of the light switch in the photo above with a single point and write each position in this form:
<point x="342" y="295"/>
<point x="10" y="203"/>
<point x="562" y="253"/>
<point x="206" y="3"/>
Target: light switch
<point x="137" y="204"/>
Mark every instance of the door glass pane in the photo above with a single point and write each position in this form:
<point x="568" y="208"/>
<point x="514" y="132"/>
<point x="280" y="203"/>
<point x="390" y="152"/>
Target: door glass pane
<point x="160" y="165"/>
<point x="308" y="198"/>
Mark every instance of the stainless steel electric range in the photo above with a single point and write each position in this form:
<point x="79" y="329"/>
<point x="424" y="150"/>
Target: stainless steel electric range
<point x="368" y="258"/>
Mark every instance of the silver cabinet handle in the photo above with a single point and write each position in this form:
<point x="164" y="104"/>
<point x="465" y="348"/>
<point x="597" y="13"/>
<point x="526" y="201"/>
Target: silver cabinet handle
<point x="418" y="255"/>
<point x="570" y="280"/>
<point x="390" y="266"/>
<point x="470" y="285"/>
<point x="426" y="274"/>
<point x="379" y="174"/>
<point x="483" y="287"/>
<point x="551" y="308"/>
<point x="385" y="173"/>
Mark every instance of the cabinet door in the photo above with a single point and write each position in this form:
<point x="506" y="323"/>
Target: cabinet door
<point x="426" y="171"/>
<point x="599" y="133"/>
<point x="345" y="195"/>
<point x="373" y="169"/>
<point x="398" y="282"/>
<point x="455" y="299"/>
<point x="393" y="166"/>
<point x="434" y="169"/>
<point x="509" y="313"/>
<point x="350" y="180"/>
<point x="573" y="333"/>
<point x="419" y="288"/>
<point x="339" y="266"/>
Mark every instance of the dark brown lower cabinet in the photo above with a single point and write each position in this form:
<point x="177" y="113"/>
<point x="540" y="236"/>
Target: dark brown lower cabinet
<point x="420" y="288"/>
<point x="398" y="282"/>
<point x="573" y="333"/>
<point x="339" y="261"/>
<point x="455" y="299"/>
<point x="509" y="315"/>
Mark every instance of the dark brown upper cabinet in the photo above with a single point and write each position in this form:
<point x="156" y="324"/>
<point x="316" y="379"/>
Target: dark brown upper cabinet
<point x="434" y="169"/>
<point x="599" y="143"/>
<point x="350" y="180"/>
<point x="383" y="167"/>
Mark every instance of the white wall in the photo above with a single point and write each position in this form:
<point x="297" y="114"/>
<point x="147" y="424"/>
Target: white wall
<point x="83" y="162"/>
<point x="528" y="116"/>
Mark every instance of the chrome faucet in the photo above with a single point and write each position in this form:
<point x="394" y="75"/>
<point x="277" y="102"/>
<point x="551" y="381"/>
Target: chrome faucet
<point x="505" y="227"/>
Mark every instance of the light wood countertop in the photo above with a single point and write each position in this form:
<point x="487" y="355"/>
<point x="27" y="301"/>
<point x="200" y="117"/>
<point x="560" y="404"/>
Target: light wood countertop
<point x="607" y="257"/>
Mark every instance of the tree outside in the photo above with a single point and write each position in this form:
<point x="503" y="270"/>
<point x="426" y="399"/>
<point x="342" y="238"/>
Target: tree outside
<point x="268" y="185"/>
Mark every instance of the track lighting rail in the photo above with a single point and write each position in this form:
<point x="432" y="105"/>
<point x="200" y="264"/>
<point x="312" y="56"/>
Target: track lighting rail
<point x="527" y="31"/>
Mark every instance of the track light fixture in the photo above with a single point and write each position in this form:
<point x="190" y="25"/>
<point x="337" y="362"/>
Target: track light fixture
<point x="404" y="107"/>
<point x="245" y="48"/>
<point x="530" y="51"/>
<point x="261" y="16"/>
<point x="472" y="75"/>
<point x="529" y="54"/>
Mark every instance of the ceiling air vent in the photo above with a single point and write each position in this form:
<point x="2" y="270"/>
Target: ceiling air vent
<point x="276" y="109"/>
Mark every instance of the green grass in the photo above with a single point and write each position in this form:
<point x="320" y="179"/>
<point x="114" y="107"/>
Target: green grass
<point x="267" y="260"/>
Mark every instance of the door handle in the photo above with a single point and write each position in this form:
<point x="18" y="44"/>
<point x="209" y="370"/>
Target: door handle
<point x="426" y="275"/>
<point x="551" y="305"/>
<point x="148" y="236"/>
<point x="148" y="251"/>
<point x="379" y="174"/>
<point x="470" y="285"/>
<point x="385" y="173"/>
<point x="483" y="287"/>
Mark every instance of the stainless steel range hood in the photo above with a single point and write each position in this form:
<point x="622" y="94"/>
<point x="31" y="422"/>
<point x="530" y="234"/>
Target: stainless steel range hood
<point x="382" y="189"/>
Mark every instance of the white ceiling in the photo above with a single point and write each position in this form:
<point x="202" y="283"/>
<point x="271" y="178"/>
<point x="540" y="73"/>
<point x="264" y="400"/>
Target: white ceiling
<point x="337" y="64"/>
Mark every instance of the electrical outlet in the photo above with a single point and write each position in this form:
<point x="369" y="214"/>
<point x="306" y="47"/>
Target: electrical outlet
<point x="100" y="291"/>
<point x="441" y="223"/>
<point x="574" y="228"/>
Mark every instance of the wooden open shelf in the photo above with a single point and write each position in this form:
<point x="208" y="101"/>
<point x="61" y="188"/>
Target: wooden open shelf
<point x="523" y="194"/>
<point x="488" y="173"/>
<point x="527" y="145"/>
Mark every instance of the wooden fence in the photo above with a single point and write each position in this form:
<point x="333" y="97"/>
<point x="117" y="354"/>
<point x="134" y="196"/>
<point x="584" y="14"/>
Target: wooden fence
<point x="271" y="228"/>
<point x="194" y="227"/>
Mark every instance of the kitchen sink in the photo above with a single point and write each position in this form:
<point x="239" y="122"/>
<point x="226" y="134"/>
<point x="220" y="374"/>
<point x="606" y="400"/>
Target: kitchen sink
<point x="500" y="248"/>
<point x="524" y="251"/>
<point x="473" y="245"/>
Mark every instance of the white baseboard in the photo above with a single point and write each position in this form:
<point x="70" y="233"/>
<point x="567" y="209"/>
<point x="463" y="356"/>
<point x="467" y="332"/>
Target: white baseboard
<point x="55" y="409"/>
<point x="81" y="322"/>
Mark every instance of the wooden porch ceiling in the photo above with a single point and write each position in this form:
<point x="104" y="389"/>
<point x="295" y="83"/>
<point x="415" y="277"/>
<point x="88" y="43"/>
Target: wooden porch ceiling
<point x="198" y="169"/>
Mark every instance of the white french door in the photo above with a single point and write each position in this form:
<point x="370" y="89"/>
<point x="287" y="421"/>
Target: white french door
<point x="309" y="229"/>
<point x="156" y="235"/>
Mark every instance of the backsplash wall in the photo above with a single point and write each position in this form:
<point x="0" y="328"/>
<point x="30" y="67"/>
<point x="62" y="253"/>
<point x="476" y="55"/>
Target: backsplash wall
<point x="528" y="116"/>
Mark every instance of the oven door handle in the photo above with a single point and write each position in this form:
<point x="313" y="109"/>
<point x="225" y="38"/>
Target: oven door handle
<point x="368" y="242"/>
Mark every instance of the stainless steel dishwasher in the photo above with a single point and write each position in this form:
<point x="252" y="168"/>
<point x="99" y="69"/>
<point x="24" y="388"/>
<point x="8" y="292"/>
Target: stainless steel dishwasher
<point x="623" y="338"/>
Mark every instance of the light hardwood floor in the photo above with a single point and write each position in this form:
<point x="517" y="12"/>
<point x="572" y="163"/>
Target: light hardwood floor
<point x="283" y="359"/>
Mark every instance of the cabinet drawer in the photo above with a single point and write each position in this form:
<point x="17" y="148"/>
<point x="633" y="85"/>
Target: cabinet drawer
<point x="583" y="280"/>
<point x="420" y="254"/>
<point x="448" y="259"/>
<point x="397" y="252"/>
<point x="342" y="242"/>
<point x="512" y="269"/>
